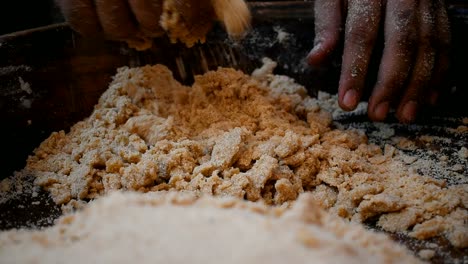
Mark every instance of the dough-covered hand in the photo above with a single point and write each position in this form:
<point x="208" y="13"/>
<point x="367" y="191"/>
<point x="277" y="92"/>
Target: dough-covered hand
<point x="134" y="20"/>
<point x="414" y="60"/>
<point x="113" y="19"/>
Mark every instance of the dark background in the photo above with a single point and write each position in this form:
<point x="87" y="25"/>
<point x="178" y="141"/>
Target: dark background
<point x="16" y="15"/>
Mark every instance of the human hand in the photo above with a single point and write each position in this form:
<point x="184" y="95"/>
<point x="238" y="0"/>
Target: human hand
<point x="140" y="20"/>
<point x="415" y="57"/>
<point x="113" y="19"/>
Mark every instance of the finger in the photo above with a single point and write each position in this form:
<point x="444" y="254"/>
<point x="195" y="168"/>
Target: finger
<point x="442" y="46"/>
<point x="328" y="22"/>
<point x="198" y="14"/>
<point x="361" y="31"/>
<point x="147" y="14"/>
<point x="416" y="91"/>
<point x="400" y="32"/>
<point x="81" y="16"/>
<point x="116" y="19"/>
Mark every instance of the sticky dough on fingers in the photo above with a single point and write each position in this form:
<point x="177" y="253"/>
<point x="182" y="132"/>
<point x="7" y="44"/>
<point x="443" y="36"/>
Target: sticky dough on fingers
<point x="189" y="22"/>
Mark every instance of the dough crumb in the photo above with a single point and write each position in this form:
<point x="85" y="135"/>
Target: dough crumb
<point x="426" y="254"/>
<point x="463" y="153"/>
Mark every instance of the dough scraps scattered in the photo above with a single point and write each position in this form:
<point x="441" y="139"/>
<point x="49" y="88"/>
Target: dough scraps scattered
<point x="164" y="227"/>
<point x="258" y="137"/>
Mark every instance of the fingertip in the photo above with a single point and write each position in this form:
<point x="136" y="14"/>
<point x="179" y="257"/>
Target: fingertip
<point x="313" y="58"/>
<point x="328" y="22"/>
<point x="320" y="53"/>
<point x="408" y="111"/>
<point x="349" y="100"/>
<point x="379" y="112"/>
<point x="324" y="46"/>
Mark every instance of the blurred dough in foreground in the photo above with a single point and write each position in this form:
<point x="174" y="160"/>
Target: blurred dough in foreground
<point x="180" y="228"/>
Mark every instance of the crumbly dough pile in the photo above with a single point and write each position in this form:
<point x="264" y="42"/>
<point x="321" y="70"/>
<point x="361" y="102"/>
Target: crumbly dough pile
<point x="179" y="228"/>
<point x="256" y="138"/>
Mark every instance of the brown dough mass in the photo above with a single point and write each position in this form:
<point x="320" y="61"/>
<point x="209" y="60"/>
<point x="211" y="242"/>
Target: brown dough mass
<point x="255" y="138"/>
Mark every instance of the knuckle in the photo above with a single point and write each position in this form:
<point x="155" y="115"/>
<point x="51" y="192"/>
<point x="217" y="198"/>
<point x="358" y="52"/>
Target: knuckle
<point x="392" y="83"/>
<point x="405" y="15"/>
<point x="80" y="16"/>
<point x="360" y="36"/>
<point x="428" y="39"/>
<point x="404" y="19"/>
<point x="406" y="41"/>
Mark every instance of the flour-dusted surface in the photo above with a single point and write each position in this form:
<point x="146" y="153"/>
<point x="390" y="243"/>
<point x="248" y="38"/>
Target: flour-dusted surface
<point x="258" y="138"/>
<point x="179" y="228"/>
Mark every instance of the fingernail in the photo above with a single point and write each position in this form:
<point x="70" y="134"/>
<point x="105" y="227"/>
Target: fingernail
<point x="409" y="111"/>
<point x="350" y="99"/>
<point x="381" y="110"/>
